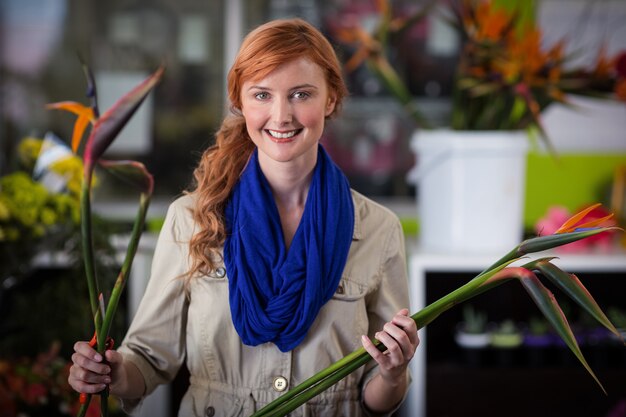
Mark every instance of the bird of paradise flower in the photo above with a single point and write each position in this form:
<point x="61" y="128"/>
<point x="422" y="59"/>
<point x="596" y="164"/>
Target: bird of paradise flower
<point x="105" y="129"/>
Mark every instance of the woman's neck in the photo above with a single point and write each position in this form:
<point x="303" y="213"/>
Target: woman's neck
<point x="289" y="183"/>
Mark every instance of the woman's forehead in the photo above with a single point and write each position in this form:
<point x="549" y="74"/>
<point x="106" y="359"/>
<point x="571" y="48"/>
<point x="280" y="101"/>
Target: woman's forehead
<point x="299" y="68"/>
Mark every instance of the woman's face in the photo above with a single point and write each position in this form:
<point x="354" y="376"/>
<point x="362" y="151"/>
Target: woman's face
<point x="285" y="112"/>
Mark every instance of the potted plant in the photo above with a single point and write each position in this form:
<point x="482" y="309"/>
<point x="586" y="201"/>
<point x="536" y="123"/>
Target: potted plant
<point x="504" y="80"/>
<point x="506" y="338"/>
<point x="537" y="340"/>
<point x="472" y="331"/>
<point x="471" y="335"/>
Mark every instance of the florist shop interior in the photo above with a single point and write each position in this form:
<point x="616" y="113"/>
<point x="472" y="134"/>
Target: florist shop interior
<point x="478" y="123"/>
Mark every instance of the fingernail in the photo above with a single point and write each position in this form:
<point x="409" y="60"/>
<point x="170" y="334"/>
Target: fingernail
<point x="97" y="357"/>
<point x="107" y="380"/>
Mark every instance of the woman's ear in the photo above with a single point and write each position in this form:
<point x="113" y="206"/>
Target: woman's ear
<point x="330" y="105"/>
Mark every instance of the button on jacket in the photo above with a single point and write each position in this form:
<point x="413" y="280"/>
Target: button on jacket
<point x="229" y="378"/>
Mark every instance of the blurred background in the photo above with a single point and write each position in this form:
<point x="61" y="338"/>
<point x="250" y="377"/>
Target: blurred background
<point x="43" y="305"/>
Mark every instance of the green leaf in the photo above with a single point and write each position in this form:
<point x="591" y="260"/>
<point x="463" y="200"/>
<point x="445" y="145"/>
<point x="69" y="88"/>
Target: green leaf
<point x="518" y="111"/>
<point x="571" y="285"/>
<point x="552" y="311"/>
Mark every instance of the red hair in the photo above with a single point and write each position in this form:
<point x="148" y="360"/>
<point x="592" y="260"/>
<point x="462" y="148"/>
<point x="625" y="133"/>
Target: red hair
<point x="261" y="52"/>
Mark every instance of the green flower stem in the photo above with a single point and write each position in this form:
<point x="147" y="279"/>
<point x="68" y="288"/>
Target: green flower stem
<point x="118" y="288"/>
<point x="87" y="242"/>
<point x="104" y="402"/>
<point x="122" y="277"/>
<point x="88" y="259"/>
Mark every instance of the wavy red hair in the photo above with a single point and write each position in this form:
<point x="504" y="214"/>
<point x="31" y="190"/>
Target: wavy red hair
<point x="261" y="52"/>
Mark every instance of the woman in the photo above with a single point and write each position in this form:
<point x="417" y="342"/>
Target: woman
<point x="272" y="268"/>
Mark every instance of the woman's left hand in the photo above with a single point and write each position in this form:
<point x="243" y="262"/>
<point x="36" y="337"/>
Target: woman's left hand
<point x="401" y="339"/>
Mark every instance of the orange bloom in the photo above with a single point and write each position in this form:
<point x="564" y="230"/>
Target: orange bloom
<point x="489" y="23"/>
<point x="574" y="222"/>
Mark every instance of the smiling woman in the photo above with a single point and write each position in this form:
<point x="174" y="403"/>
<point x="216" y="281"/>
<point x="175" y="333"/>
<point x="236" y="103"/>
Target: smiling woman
<point x="261" y="270"/>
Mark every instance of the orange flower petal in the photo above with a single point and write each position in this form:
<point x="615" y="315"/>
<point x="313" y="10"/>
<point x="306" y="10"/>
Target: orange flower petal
<point x="595" y="223"/>
<point x="85" y="116"/>
<point x="568" y="226"/>
<point x="79" y="129"/>
<point x="73" y="107"/>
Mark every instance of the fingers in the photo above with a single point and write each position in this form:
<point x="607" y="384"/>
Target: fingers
<point x="406" y="323"/>
<point x="83" y="348"/>
<point x="371" y="349"/>
<point x="399" y="336"/>
<point x="88" y="374"/>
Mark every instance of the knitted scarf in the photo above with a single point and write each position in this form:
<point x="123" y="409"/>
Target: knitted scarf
<point x="275" y="294"/>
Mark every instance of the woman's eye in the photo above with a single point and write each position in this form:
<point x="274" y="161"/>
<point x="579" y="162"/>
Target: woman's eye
<point x="261" y="96"/>
<point x="301" y="95"/>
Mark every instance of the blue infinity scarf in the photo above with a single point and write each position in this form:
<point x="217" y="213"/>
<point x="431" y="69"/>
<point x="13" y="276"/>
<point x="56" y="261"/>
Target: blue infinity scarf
<point x="276" y="294"/>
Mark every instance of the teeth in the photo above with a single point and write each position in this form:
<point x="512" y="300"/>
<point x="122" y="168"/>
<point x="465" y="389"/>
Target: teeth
<point x="279" y="135"/>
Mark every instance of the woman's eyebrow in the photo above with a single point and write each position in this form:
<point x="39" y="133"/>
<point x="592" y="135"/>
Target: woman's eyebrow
<point x="296" y="87"/>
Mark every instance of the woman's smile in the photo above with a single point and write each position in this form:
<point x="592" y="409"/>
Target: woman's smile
<point x="282" y="136"/>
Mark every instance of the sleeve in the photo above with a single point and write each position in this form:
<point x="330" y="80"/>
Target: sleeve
<point x="155" y="341"/>
<point x="391" y="295"/>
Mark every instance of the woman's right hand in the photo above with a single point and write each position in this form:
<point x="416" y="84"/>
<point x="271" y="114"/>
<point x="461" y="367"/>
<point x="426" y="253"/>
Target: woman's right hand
<point x="90" y="373"/>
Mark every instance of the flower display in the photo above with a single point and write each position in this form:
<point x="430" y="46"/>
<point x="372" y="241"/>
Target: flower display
<point x="505" y="77"/>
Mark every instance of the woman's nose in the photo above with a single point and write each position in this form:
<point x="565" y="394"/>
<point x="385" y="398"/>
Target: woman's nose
<point x="282" y="111"/>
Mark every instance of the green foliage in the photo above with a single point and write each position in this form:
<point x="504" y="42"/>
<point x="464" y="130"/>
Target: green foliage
<point x="474" y="321"/>
<point x="29" y="211"/>
<point x="32" y="218"/>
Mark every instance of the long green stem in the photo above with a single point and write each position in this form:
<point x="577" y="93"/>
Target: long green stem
<point x="120" y="283"/>
<point x="122" y="277"/>
<point x="88" y="260"/>
<point x="87" y="243"/>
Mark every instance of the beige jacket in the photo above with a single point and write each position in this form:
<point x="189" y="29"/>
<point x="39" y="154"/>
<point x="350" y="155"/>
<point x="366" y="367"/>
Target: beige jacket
<point x="229" y="378"/>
